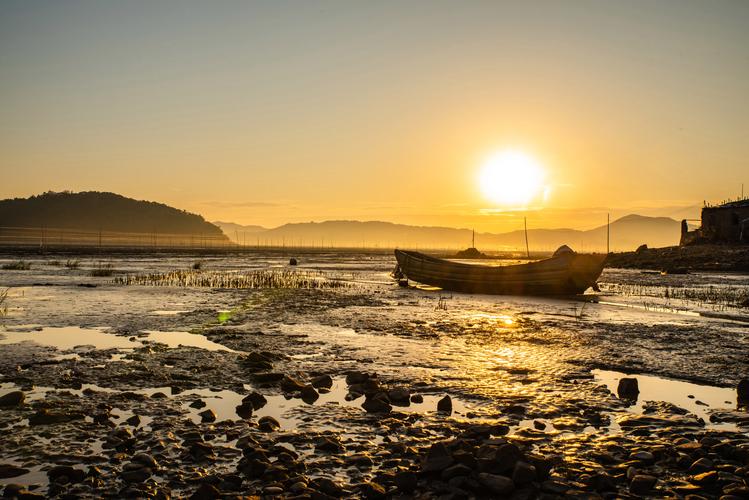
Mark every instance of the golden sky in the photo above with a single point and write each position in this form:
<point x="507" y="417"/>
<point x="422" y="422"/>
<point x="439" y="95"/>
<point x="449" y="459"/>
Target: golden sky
<point x="273" y="112"/>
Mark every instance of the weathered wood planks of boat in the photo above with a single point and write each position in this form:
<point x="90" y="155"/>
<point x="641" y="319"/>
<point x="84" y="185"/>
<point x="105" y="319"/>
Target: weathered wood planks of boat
<point x="565" y="273"/>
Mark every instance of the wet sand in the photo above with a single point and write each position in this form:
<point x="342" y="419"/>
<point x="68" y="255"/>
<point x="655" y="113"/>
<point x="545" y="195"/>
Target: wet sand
<point x="168" y="391"/>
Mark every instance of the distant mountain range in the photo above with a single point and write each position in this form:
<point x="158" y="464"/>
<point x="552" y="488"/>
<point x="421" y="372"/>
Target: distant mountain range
<point x="626" y="233"/>
<point x="96" y="211"/>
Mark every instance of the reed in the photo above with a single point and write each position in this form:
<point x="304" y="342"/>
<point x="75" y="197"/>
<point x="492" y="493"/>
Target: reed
<point x="717" y="297"/>
<point x="19" y="265"/>
<point x="3" y="305"/>
<point x="102" y="271"/>
<point x="266" y="278"/>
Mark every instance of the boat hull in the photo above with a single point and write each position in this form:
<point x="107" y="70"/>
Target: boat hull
<point x="565" y="274"/>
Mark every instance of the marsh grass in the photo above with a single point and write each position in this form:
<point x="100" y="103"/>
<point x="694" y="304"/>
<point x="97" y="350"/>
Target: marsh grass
<point x="72" y="264"/>
<point x="19" y="265"/>
<point x="3" y="305"/>
<point x="716" y="297"/>
<point x="102" y="271"/>
<point x="266" y="278"/>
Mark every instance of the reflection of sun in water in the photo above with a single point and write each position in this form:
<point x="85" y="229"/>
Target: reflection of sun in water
<point x="511" y="178"/>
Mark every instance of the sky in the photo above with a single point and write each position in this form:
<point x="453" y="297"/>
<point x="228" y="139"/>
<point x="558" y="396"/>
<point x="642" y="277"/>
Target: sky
<point x="272" y="112"/>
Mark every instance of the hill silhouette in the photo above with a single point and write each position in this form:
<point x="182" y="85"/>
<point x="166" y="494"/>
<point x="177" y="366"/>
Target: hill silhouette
<point x="627" y="233"/>
<point x="100" y="211"/>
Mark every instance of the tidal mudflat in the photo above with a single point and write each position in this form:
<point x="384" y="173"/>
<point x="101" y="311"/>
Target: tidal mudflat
<point x="111" y="386"/>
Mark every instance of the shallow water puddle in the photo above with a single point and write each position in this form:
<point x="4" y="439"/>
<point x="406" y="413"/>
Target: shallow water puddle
<point x="185" y="339"/>
<point x="70" y="338"/>
<point x="695" y="398"/>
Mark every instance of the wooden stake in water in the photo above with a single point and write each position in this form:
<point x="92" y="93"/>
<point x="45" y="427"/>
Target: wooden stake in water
<point x="527" y="249"/>
<point x="473" y="239"/>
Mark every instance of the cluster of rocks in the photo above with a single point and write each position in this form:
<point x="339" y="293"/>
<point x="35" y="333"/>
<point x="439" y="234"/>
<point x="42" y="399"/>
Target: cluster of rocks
<point x="379" y="398"/>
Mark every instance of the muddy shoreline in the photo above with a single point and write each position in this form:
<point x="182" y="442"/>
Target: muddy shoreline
<point x="688" y="258"/>
<point x="366" y="391"/>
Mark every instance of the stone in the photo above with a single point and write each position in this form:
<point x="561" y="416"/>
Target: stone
<point x="406" y="481"/>
<point x="323" y="381"/>
<point x="701" y="465"/>
<point x="256" y="399"/>
<point x="206" y="491"/>
<point x="13" y="398"/>
<point x="628" y="388"/>
<point x="371" y="489"/>
<point x="376" y="405"/>
<point x="399" y="395"/>
<point x="207" y="416"/>
<point x="438" y="458"/>
<point x="134" y="421"/>
<point x="244" y="410"/>
<point x="523" y="473"/>
<point x="642" y="484"/>
<point x="742" y="390"/>
<point x="198" y="404"/>
<point x="66" y="474"/>
<point x="10" y="470"/>
<point x="146" y="459"/>
<point x="643" y="456"/>
<point x="356" y="378"/>
<point x="538" y="425"/>
<point x="290" y="384"/>
<point x="268" y="424"/>
<point x="417" y="399"/>
<point x="136" y="475"/>
<point x="328" y="444"/>
<point x="445" y="405"/>
<point x="309" y="394"/>
<point x="498" y="485"/>
<point x="455" y="471"/>
<point x="705" y="478"/>
<point x="47" y="417"/>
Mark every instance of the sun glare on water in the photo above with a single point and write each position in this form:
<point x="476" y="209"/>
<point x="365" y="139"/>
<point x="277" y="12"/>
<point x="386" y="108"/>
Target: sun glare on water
<point x="511" y="179"/>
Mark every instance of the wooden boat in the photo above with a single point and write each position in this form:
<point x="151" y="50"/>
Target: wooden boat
<point x="565" y="273"/>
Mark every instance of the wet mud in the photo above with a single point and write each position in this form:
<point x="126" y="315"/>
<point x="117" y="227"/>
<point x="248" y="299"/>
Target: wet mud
<point x="369" y="390"/>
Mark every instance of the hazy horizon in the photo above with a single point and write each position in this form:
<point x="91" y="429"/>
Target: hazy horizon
<point x="267" y="113"/>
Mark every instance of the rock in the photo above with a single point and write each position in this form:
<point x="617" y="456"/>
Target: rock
<point x="641" y="249"/>
<point x="538" y="425"/>
<point x="455" y="471"/>
<point x="292" y="261"/>
<point x="705" y="478"/>
<point x="399" y="396"/>
<point x="628" y="388"/>
<point x="356" y="378"/>
<point x="406" y="481"/>
<point x="309" y="394"/>
<point x="47" y="417"/>
<point x="244" y="410"/>
<point x="642" y="484"/>
<point x="523" y="473"/>
<point x="438" y="458"/>
<point x="417" y="399"/>
<point x="65" y="474"/>
<point x="328" y="444"/>
<point x="376" y="405"/>
<point x="290" y="384"/>
<point x="498" y="459"/>
<point x="328" y="486"/>
<point x="134" y="421"/>
<point x="445" y="405"/>
<point x="643" y="456"/>
<point x="323" y="381"/>
<point x="256" y="399"/>
<point x="372" y="490"/>
<point x="14" y="398"/>
<point x="742" y="390"/>
<point x="206" y="492"/>
<point x="499" y="485"/>
<point x="701" y="465"/>
<point x="10" y="470"/>
<point x="146" y="459"/>
<point x="137" y="474"/>
<point x="198" y="404"/>
<point x="207" y="416"/>
<point x="268" y="424"/>
<point x="268" y="377"/>
<point x="200" y="450"/>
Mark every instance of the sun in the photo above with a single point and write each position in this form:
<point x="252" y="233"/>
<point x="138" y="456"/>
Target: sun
<point x="511" y="178"/>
